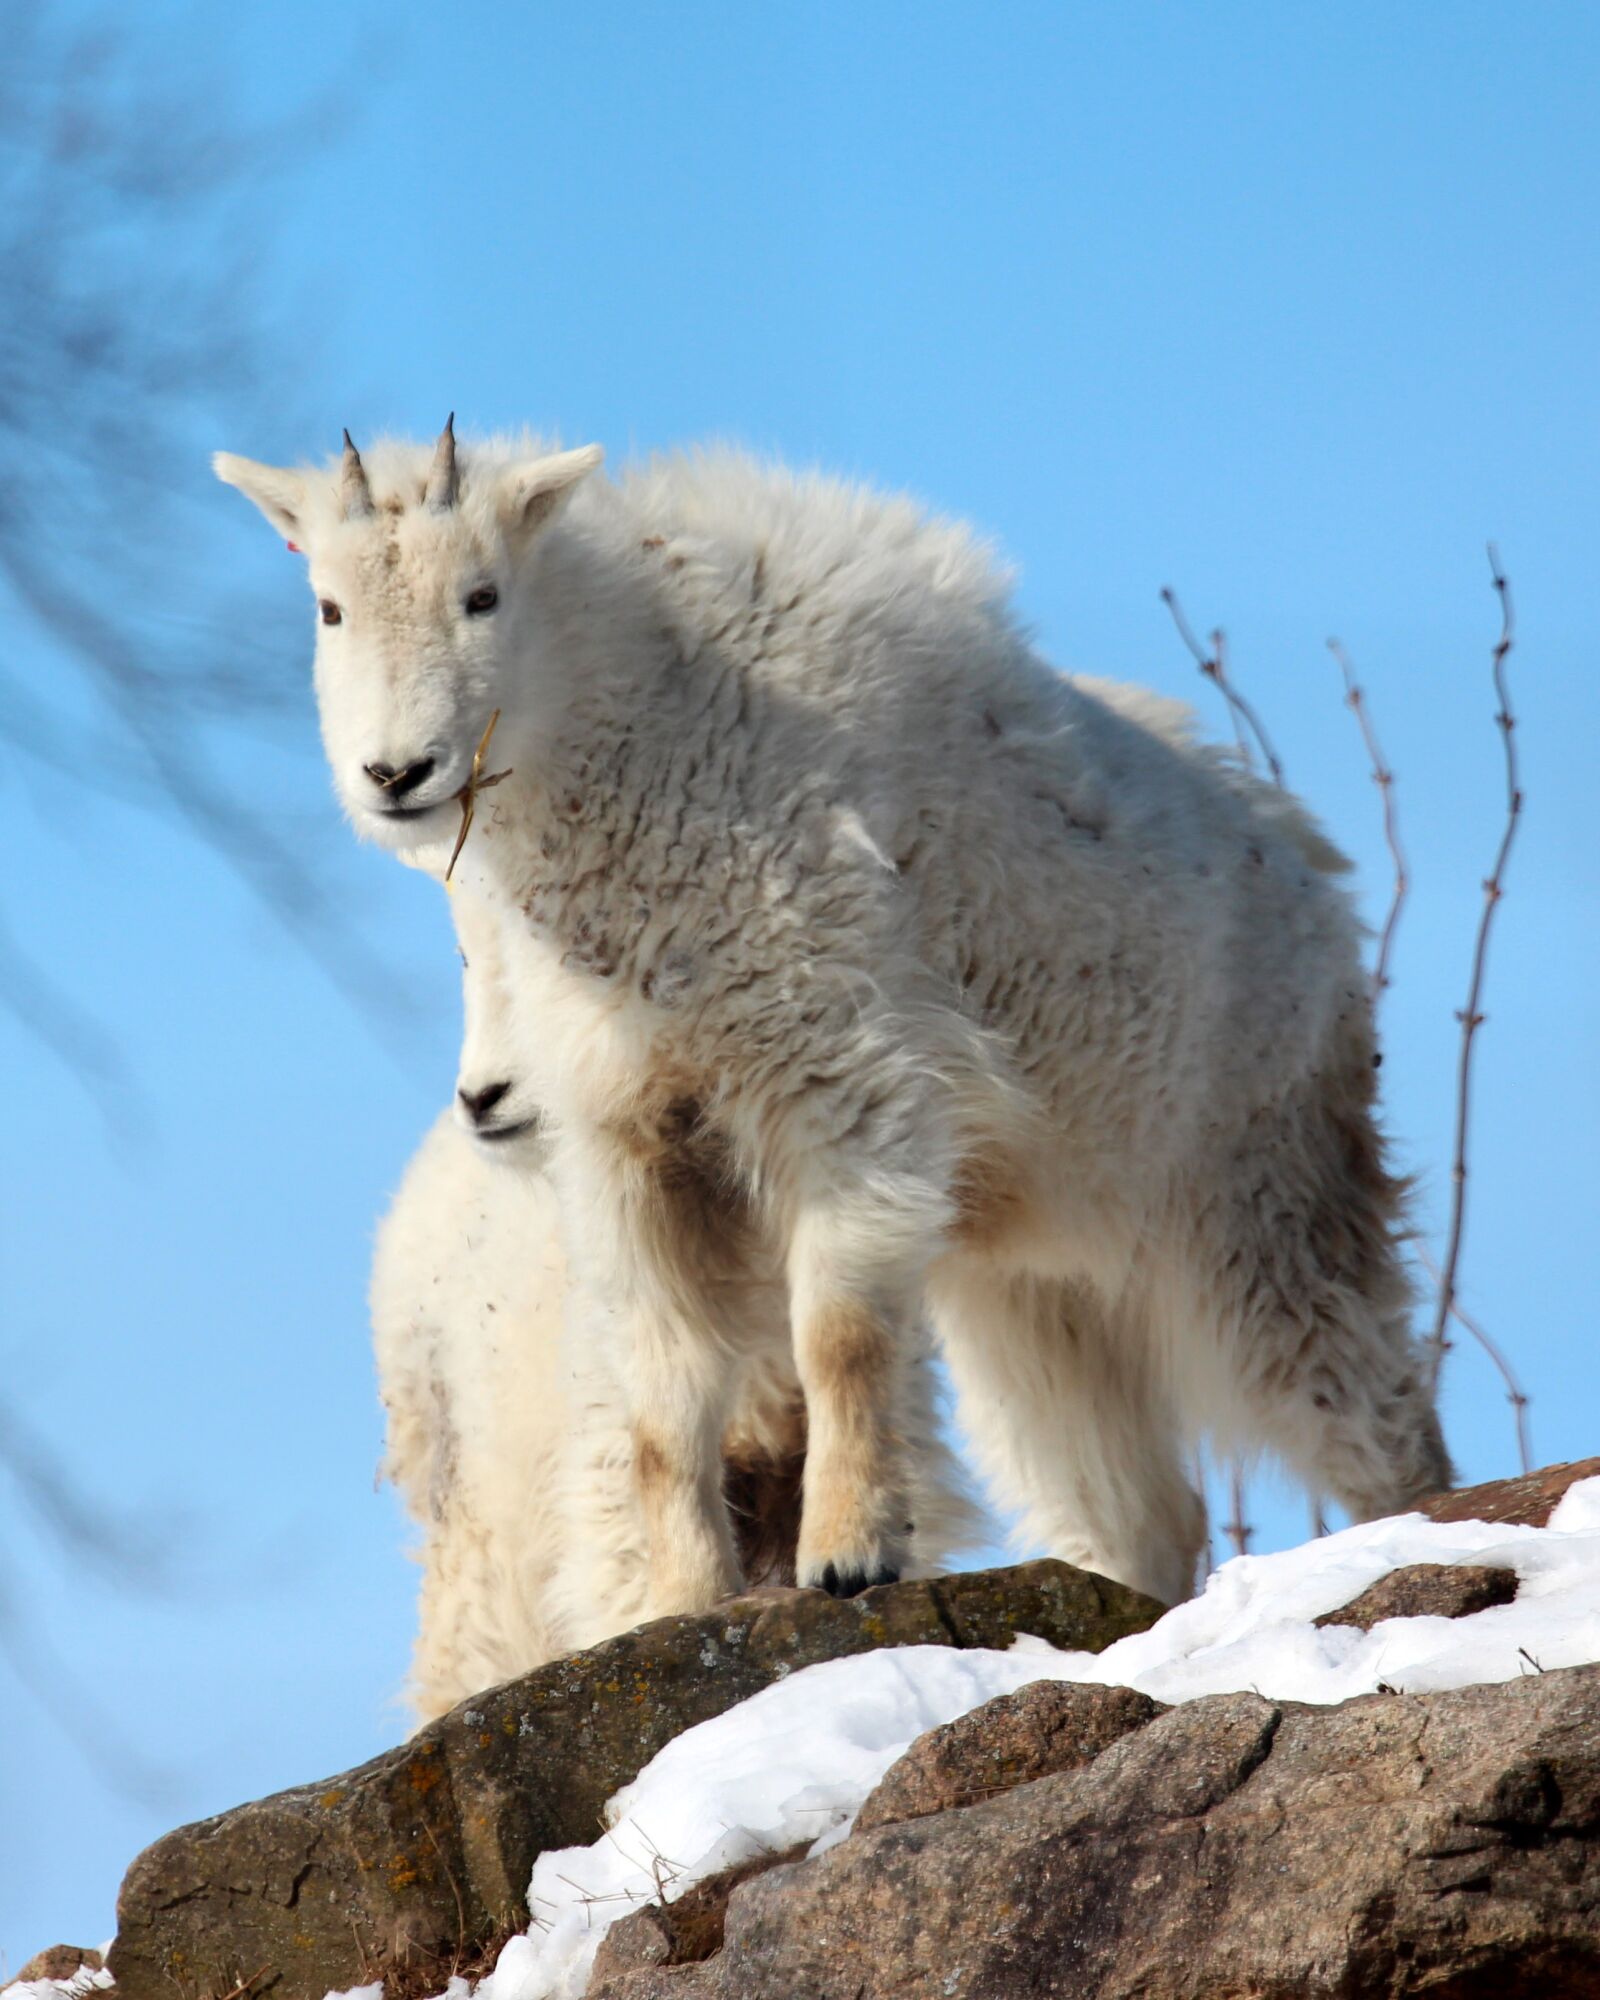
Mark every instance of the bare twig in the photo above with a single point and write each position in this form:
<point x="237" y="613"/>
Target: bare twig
<point x="655" y="1853"/>
<point x="1214" y="665"/>
<point x="664" y="1871"/>
<point x="1515" y="1394"/>
<point x="125" y="200"/>
<point x="1471" y="1017"/>
<point x="82" y="1041"/>
<point x="270" y="866"/>
<point x="1383" y="778"/>
<point x="1238" y="1529"/>
<point x="131" y="1553"/>
<point x="1246" y="723"/>
<point x="48" y="1676"/>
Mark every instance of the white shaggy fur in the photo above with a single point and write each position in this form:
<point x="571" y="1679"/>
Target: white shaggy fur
<point x="512" y="1448"/>
<point x="950" y="979"/>
<point x="466" y="1314"/>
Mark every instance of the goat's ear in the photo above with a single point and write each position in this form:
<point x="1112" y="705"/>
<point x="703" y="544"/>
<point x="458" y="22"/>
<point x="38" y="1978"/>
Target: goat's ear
<point x="535" y="490"/>
<point x="278" y="492"/>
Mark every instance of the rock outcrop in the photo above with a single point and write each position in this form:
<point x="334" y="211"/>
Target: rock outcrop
<point x="1427" y="1590"/>
<point x="61" y="1962"/>
<point x="1065" y="1839"/>
<point x="1444" y="1844"/>
<point x="418" y="1860"/>
<point x="1047" y="1727"/>
<point x="1527" y="1501"/>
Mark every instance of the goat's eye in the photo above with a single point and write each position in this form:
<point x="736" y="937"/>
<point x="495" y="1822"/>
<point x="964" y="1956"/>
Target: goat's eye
<point x="331" y="614"/>
<point x="483" y="599"/>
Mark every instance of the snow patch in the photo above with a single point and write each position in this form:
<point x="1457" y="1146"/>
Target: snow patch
<point x="85" y="1981"/>
<point x="795" y="1763"/>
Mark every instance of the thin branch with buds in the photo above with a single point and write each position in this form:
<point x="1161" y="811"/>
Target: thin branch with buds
<point x="1214" y="665"/>
<point x="1383" y="778"/>
<point x="1516" y="1395"/>
<point x="1246" y="723"/>
<point x="1471" y="1017"/>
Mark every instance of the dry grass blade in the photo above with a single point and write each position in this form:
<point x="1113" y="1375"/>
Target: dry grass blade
<point x="1471" y="1017"/>
<point x="468" y="794"/>
<point x="241" y="1987"/>
<point x="455" y="1887"/>
<point x="1383" y="778"/>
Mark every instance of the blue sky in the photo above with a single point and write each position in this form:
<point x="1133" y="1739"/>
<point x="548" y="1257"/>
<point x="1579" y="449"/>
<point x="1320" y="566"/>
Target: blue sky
<point x="1289" y="308"/>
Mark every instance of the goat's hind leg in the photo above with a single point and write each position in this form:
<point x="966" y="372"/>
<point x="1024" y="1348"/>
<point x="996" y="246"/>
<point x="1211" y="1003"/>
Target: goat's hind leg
<point x="1061" y="1397"/>
<point x="1300" y="1272"/>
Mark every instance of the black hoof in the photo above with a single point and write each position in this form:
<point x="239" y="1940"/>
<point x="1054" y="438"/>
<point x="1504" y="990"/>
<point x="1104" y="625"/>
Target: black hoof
<point x="851" y="1582"/>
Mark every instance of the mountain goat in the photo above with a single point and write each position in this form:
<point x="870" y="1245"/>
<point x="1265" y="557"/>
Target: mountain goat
<point x="511" y="1446"/>
<point x="857" y="933"/>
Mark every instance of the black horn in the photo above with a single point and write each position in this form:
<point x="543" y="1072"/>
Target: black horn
<point x="353" y="488"/>
<point x="442" y="482"/>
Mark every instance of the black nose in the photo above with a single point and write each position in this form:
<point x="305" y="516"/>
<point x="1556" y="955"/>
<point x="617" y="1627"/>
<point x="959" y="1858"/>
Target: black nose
<point x="480" y="1103"/>
<point x="398" y="783"/>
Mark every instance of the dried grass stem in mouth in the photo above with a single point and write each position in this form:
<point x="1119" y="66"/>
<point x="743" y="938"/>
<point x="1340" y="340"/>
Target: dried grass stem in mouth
<point x="468" y="794"/>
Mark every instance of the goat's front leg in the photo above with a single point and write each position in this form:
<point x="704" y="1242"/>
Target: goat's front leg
<point x="857" y="1267"/>
<point x="648" y="1253"/>
<point x="677" y="1410"/>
